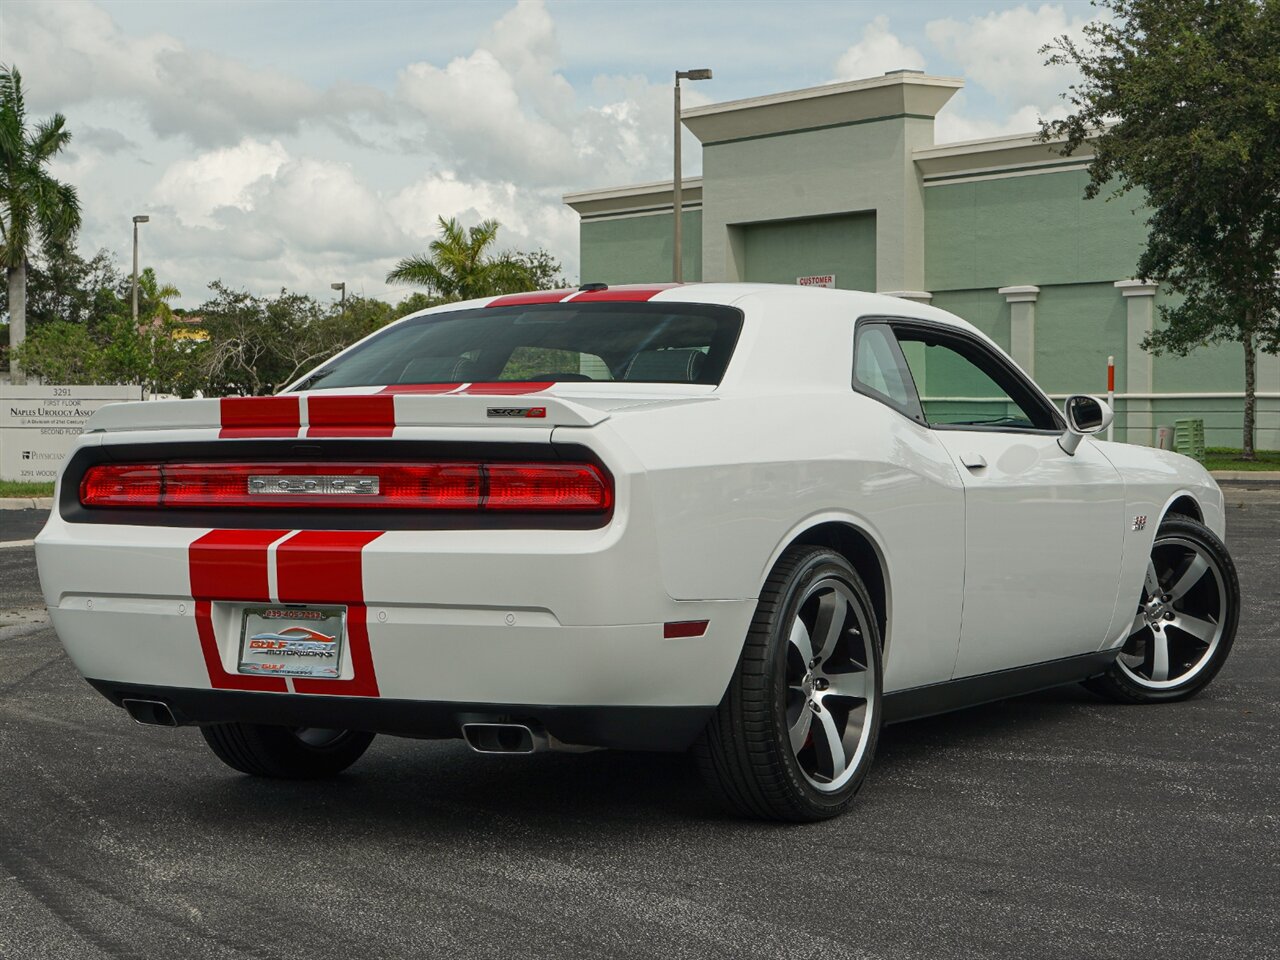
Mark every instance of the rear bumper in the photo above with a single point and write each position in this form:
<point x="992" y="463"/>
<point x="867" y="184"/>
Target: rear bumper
<point x="566" y="619"/>
<point x="622" y="728"/>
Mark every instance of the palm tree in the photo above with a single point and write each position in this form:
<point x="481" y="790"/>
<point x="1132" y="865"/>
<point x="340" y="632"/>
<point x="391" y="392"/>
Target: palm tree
<point x="33" y="205"/>
<point x="154" y="297"/>
<point x="458" y="265"/>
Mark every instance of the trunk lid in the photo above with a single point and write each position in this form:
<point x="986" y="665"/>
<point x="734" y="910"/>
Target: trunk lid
<point x="378" y="412"/>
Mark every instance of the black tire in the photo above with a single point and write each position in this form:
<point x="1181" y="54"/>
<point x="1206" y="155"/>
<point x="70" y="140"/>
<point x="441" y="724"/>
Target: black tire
<point x="1123" y="682"/>
<point x="745" y="754"/>
<point x="283" y="752"/>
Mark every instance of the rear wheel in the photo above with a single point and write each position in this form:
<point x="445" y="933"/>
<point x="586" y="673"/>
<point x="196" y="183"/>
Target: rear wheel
<point x="1185" y="621"/>
<point x="291" y="753"/>
<point x="794" y="735"/>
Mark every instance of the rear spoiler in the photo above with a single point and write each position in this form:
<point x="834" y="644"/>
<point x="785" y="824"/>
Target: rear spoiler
<point x="346" y="415"/>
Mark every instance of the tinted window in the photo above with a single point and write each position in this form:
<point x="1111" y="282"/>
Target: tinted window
<point x="639" y="342"/>
<point x="963" y="385"/>
<point x="879" y="369"/>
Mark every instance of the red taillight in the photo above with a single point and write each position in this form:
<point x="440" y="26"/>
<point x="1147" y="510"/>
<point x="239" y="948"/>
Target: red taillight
<point x="533" y="487"/>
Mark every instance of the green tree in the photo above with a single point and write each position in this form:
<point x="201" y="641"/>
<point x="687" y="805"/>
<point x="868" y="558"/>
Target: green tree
<point x="35" y="209"/>
<point x="257" y="345"/>
<point x="63" y="285"/>
<point x="545" y="271"/>
<point x="1180" y="99"/>
<point x="359" y="317"/>
<point x="153" y="296"/>
<point x="124" y="349"/>
<point x="60" y="352"/>
<point x="413" y="303"/>
<point x="459" y="264"/>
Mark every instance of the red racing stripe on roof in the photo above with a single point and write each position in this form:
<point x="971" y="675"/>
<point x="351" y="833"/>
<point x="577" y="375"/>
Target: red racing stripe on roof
<point x="259" y="417"/>
<point x="634" y="293"/>
<point x="509" y="388"/>
<point x="351" y="416"/>
<point x="533" y="296"/>
<point x="327" y="566"/>
<point x="230" y="565"/>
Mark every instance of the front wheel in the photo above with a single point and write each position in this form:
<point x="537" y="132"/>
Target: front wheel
<point x="289" y="753"/>
<point x="794" y="735"/>
<point x="1185" y="621"/>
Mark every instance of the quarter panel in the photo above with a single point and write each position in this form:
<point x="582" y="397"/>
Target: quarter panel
<point x="734" y="481"/>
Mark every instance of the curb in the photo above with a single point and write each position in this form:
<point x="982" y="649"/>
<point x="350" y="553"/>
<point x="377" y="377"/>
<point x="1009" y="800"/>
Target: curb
<point x="26" y="503"/>
<point x="1246" y="476"/>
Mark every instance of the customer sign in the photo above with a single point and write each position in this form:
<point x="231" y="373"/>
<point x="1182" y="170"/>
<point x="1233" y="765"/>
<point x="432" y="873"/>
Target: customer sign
<point x="39" y="425"/>
<point x="818" y="280"/>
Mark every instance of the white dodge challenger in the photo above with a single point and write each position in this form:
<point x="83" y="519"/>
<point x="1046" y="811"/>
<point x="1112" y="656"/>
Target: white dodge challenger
<point x="753" y="521"/>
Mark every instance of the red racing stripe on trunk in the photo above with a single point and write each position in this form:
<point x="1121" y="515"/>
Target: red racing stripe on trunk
<point x="326" y="566"/>
<point x="506" y="389"/>
<point x="230" y="565"/>
<point x="259" y="417"/>
<point x="351" y="416"/>
<point x="532" y="297"/>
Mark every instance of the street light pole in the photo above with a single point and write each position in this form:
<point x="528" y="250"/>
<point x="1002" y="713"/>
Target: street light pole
<point x="140" y="218"/>
<point x="342" y="298"/>
<point x="677" y="185"/>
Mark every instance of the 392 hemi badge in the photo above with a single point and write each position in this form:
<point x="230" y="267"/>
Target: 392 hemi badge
<point x="313" y="483"/>
<point x="526" y="413"/>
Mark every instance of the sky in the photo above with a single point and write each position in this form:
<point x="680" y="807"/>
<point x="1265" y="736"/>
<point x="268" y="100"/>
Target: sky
<point x="296" y="144"/>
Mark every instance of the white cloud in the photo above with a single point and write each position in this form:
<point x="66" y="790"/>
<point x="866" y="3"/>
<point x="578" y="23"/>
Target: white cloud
<point x="529" y="218"/>
<point x="323" y="206"/>
<point x="197" y="187"/>
<point x="76" y="53"/>
<point x="506" y="112"/>
<point x="1000" y="52"/>
<point x="878" y="52"/>
<point x="956" y="123"/>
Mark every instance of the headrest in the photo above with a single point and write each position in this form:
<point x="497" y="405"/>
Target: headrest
<point x="669" y="366"/>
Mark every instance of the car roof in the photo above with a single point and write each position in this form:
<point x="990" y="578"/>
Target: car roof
<point x="857" y="303"/>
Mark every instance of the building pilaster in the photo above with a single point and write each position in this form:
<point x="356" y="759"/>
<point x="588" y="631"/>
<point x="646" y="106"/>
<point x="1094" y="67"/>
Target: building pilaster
<point x="1140" y="303"/>
<point x="1022" y="325"/>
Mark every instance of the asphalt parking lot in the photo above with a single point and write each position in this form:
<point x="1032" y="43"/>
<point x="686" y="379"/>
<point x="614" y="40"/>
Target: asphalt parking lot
<point x="1052" y="825"/>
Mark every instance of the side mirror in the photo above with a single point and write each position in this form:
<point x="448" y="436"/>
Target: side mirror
<point x="1085" y="415"/>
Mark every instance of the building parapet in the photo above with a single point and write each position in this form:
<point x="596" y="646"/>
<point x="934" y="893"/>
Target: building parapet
<point x="638" y="199"/>
<point x="899" y="93"/>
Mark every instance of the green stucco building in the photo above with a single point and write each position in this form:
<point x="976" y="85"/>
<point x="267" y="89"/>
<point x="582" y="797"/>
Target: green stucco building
<point x="846" y="181"/>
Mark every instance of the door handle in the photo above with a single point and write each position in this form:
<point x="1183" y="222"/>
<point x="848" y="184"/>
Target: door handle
<point x="974" y="461"/>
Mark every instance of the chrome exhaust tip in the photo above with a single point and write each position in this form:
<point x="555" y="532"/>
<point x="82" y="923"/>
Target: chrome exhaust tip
<point x="503" y="738"/>
<point x="150" y="713"/>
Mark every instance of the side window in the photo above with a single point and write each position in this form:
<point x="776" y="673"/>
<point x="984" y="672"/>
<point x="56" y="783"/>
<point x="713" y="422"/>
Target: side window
<point x="963" y="385"/>
<point x="880" y="371"/>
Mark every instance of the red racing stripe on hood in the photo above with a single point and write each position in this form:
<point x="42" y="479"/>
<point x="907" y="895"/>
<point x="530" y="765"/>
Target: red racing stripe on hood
<point x="259" y="417"/>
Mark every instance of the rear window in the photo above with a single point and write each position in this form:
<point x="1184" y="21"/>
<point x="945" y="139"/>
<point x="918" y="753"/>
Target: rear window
<point x="634" y="342"/>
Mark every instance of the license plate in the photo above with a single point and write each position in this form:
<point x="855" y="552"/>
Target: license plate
<point x="293" y="641"/>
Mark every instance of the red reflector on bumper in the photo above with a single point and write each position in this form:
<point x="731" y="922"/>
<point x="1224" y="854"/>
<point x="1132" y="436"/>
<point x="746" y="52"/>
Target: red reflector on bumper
<point x="684" y="628"/>
<point x="533" y="487"/>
